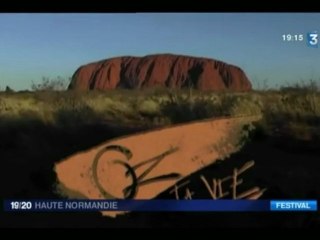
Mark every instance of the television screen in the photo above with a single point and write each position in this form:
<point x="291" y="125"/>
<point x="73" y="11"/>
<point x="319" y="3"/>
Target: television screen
<point x="160" y="120"/>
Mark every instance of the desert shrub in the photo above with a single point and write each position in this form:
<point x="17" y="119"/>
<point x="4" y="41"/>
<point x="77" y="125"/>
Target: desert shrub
<point x="245" y="107"/>
<point x="148" y="107"/>
<point x="9" y="89"/>
<point x="100" y="103"/>
<point x="122" y="110"/>
<point x="299" y="107"/>
<point x="225" y="102"/>
<point x="28" y="114"/>
<point x="73" y="116"/>
<point x="3" y="105"/>
<point x="50" y="84"/>
<point x="70" y="109"/>
<point x="72" y="100"/>
<point x="302" y="87"/>
<point x="293" y="112"/>
<point x="178" y="108"/>
<point x="47" y="96"/>
<point x="188" y="107"/>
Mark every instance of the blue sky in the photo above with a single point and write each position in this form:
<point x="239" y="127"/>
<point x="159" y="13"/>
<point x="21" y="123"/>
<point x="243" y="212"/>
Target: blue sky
<point x="51" y="45"/>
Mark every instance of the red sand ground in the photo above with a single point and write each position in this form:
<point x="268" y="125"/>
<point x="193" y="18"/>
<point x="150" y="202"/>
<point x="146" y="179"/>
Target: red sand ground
<point x="181" y="149"/>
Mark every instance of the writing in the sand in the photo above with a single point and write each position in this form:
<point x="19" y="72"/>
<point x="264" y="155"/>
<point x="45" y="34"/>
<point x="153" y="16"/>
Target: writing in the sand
<point x="221" y="187"/>
<point x="137" y="180"/>
<point x="217" y="187"/>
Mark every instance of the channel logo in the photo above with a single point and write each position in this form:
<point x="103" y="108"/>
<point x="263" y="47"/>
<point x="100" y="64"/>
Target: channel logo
<point x="293" y="205"/>
<point x="313" y="39"/>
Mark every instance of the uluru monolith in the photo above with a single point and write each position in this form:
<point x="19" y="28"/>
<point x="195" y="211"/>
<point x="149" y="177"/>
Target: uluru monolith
<point x="164" y="70"/>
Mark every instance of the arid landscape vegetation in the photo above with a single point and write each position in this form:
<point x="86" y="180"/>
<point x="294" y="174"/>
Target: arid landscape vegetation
<point x="292" y="111"/>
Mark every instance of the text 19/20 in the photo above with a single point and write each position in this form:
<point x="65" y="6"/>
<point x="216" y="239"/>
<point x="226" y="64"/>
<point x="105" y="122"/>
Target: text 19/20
<point x="23" y="205"/>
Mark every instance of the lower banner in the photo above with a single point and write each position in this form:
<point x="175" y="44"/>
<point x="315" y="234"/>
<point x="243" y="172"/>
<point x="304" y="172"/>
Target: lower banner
<point x="159" y="205"/>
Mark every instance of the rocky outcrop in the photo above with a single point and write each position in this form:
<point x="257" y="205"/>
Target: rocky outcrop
<point x="166" y="70"/>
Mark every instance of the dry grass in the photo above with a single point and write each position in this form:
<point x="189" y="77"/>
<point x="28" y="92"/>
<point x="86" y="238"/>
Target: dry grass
<point x="294" y="110"/>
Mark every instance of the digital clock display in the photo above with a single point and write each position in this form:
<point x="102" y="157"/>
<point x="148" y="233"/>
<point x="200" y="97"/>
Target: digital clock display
<point x="292" y="37"/>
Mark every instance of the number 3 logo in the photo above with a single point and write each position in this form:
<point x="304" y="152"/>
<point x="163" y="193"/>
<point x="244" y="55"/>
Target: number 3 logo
<point x="312" y="39"/>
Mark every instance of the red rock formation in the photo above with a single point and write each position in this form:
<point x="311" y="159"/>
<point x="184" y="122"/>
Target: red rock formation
<point x="167" y="70"/>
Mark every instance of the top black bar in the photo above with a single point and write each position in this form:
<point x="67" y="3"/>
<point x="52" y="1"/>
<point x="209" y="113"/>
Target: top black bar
<point x="103" y="6"/>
